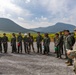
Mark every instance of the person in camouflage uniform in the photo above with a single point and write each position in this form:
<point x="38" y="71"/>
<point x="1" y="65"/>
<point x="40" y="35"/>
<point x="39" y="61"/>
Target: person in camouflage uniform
<point x="13" y="43"/>
<point x="72" y="55"/>
<point x="55" y="42"/>
<point x="0" y="44"/>
<point x="5" y="42"/>
<point x="30" y="41"/>
<point x="39" y="43"/>
<point x="46" y="43"/>
<point x="61" y="42"/>
<point x="57" y="45"/>
<point x="19" y="39"/>
<point x="26" y="44"/>
<point x="69" y="45"/>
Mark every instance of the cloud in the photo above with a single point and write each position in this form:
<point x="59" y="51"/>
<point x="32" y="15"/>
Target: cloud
<point x="20" y="18"/>
<point x="39" y="13"/>
<point x="27" y="1"/>
<point x="41" y="19"/>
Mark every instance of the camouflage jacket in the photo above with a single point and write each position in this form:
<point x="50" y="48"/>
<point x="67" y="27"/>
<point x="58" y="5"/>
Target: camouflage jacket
<point x="46" y="41"/>
<point x="68" y="42"/>
<point x="13" y="40"/>
<point x="19" y="38"/>
<point x="39" y="39"/>
<point x="4" y="39"/>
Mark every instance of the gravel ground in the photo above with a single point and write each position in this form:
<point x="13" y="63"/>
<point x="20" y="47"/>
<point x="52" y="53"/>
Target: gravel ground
<point x="33" y="64"/>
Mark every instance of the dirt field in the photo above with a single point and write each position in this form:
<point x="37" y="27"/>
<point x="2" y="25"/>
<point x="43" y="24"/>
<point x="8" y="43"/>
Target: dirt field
<point x="33" y="64"/>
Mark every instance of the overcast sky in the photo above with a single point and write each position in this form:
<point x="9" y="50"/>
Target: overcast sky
<point x="39" y="13"/>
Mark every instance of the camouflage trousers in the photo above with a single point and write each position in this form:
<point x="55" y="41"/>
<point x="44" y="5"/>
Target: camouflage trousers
<point x="75" y="66"/>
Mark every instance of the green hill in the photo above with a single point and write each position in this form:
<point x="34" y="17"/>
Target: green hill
<point x="6" y="25"/>
<point x="55" y="28"/>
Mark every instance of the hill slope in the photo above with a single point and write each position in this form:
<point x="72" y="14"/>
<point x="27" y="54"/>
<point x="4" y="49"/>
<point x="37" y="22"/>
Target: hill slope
<point x="55" y="28"/>
<point x="10" y="26"/>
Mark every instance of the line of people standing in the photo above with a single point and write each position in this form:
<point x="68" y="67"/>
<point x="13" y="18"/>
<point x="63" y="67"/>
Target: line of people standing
<point x="4" y="40"/>
<point x="28" y="42"/>
<point x="63" y="43"/>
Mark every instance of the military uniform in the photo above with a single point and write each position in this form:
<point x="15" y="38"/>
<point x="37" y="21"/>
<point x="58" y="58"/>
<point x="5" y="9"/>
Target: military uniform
<point x="57" y="47"/>
<point x="55" y="43"/>
<point x="64" y="45"/>
<point x="1" y="44"/>
<point x="61" y="43"/>
<point x="5" y="43"/>
<point x="13" y="44"/>
<point x="68" y="44"/>
<point x="25" y="40"/>
<point x="30" y="41"/>
<point x="19" y="39"/>
<point x="46" y="43"/>
<point x="39" y="44"/>
<point x="74" y="52"/>
<point x="72" y="55"/>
